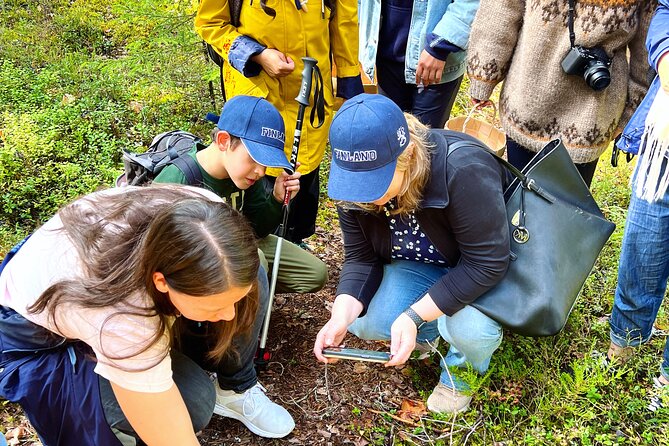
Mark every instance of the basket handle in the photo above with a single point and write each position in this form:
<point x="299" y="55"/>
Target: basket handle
<point x="479" y="107"/>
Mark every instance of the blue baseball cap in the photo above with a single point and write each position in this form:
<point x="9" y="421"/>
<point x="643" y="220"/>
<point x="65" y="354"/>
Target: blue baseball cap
<point x="260" y="127"/>
<point x="367" y="135"/>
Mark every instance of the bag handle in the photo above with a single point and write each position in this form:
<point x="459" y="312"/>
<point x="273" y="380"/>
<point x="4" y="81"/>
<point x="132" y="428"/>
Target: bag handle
<point x="525" y="182"/>
<point x="478" y="108"/>
<point x="520" y="234"/>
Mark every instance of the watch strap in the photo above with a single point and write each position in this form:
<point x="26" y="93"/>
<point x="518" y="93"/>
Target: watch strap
<point x="415" y="317"/>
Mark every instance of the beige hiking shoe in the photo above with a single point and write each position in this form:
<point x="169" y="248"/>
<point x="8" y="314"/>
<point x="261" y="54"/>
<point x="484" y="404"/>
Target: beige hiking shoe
<point x="619" y="355"/>
<point x="447" y="400"/>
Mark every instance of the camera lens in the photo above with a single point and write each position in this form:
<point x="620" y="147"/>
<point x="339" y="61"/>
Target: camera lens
<point x="597" y="75"/>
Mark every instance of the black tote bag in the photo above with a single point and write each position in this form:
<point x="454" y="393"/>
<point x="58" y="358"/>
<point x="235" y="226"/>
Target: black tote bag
<point x="557" y="232"/>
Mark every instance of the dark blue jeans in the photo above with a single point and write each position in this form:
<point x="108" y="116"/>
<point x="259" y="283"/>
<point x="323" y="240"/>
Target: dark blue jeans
<point x="642" y="273"/>
<point x="432" y="106"/>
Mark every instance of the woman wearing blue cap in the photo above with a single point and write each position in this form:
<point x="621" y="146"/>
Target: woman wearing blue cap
<point x="424" y="234"/>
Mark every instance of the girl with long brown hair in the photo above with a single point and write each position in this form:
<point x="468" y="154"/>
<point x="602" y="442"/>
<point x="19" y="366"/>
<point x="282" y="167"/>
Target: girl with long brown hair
<point x="87" y="305"/>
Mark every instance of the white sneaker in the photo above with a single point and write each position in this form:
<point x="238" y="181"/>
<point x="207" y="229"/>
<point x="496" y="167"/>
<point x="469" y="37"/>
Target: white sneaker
<point x="260" y="415"/>
<point x="444" y="399"/>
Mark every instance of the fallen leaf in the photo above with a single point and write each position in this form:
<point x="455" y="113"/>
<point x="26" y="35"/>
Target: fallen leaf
<point x="68" y="99"/>
<point x="17" y="432"/>
<point x="412" y="410"/>
<point x="360" y="367"/>
<point x="136" y="106"/>
<point x="324" y="433"/>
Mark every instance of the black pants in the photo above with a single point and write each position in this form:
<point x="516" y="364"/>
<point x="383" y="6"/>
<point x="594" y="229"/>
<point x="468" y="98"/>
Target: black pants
<point x="432" y="105"/>
<point x="519" y="156"/>
<point x="303" y="207"/>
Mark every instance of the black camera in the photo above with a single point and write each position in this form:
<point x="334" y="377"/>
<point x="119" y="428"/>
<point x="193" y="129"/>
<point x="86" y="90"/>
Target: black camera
<point x="591" y="63"/>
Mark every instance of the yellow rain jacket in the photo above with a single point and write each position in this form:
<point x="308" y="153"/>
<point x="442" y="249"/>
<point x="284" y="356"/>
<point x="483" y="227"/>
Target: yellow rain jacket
<point x="296" y="33"/>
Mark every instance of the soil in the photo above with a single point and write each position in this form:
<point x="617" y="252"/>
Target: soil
<point x="348" y="403"/>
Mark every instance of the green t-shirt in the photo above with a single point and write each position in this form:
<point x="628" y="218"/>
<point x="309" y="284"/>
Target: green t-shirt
<point x="259" y="206"/>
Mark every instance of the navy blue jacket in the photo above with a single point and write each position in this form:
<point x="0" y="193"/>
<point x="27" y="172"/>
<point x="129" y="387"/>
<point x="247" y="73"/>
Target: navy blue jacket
<point x="463" y="214"/>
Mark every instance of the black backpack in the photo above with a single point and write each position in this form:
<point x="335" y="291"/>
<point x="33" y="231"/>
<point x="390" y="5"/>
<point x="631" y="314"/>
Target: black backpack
<point x="167" y="148"/>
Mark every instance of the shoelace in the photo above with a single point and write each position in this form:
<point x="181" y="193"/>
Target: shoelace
<point x="656" y="401"/>
<point x="250" y="406"/>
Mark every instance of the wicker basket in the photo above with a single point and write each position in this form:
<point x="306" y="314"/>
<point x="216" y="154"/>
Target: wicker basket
<point x="480" y="128"/>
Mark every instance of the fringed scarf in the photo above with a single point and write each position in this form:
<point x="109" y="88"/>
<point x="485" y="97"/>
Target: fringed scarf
<point x="652" y="180"/>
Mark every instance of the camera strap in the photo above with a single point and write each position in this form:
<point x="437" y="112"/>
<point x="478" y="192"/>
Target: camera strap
<point x="570" y="23"/>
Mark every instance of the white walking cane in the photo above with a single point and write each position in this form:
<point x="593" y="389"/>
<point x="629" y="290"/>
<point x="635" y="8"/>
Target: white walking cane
<point x="310" y="68"/>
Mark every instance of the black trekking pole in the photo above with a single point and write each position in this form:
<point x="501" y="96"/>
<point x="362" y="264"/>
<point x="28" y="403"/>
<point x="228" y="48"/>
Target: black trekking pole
<point x="263" y="356"/>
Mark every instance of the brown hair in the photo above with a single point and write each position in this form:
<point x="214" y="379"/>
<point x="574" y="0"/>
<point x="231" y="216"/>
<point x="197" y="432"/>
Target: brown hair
<point x="416" y="165"/>
<point x="202" y="247"/>
<point x="233" y="139"/>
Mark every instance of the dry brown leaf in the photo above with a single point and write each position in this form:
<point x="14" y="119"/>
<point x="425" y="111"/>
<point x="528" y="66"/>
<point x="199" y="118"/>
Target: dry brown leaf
<point x="17" y="432"/>
<point x="360" y="367"/>
<point x="136" y="106"/>
<point x="412" y="410"/>
<point x="324" y="433"/>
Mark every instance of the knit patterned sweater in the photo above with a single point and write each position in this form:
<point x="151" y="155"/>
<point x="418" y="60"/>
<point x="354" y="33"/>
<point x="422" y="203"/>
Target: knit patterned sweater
<point x="522" y="43"/>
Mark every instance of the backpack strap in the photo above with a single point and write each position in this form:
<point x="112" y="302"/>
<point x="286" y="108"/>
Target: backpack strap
<point x="187" y="165"/>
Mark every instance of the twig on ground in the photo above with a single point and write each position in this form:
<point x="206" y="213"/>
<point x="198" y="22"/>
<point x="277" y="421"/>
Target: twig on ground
<point x="425" y="431"/>
<point x="479" y="420"/>
<point x="282" y="367"/>
<point x="394" y="417"/>
<point x="327" y="387"/>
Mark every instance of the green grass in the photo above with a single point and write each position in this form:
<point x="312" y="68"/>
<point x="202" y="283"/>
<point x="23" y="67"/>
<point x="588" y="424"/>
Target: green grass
<point x="82" y="80"/>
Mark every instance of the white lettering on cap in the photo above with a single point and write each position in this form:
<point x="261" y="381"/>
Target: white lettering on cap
<point x="272" y="133"/>
<point x="355" y="157"/>
<point x="401" y="136"/>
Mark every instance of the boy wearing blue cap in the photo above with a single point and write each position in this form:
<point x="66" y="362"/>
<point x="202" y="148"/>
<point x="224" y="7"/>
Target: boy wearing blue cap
<point x="249" y="138"/>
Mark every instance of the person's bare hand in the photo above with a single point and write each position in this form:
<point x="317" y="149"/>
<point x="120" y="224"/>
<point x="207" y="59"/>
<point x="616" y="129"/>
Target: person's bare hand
<point x="345" y="310"/>
<point x="274" y="62"/>
<point x="331" y="335"/>
<point x="478" y="103"/>
<point x="402" y="340"/>
<point x="285" y="182"/>
<point x="429" y="69"/>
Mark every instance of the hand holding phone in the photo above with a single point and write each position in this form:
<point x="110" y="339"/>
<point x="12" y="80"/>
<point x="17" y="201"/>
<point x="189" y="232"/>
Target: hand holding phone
<point x="356" y="354"/>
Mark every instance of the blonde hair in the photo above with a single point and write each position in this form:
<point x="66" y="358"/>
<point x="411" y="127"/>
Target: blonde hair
<point x="414" y="161"/>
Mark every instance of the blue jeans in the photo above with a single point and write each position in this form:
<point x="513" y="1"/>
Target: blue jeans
<point x="473" y="336"/>
<point x="642" y="274"/>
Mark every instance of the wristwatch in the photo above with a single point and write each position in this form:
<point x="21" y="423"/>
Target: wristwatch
<point x="415" y="317"/>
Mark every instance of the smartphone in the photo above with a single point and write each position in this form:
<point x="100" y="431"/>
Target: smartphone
<point x="356" y="354"/>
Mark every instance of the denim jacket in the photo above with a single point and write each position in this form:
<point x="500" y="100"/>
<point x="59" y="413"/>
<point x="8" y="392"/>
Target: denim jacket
<point x="657" y="43"/>
<point x="449" y="20"/>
